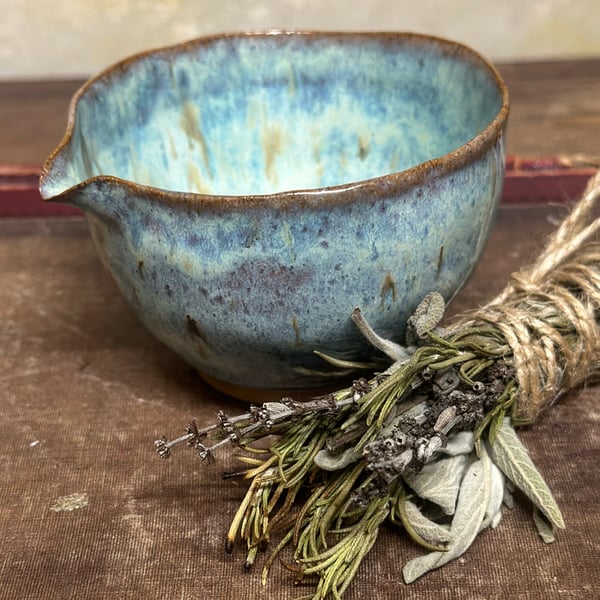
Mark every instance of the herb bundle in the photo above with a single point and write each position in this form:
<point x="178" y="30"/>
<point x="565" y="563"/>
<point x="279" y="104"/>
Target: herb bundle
<point x="429" y="443"/>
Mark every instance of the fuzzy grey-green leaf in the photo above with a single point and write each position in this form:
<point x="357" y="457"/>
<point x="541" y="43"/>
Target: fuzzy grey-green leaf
<point x="543" y="526"/>
<point x="493" y="512"/>
<point x="512" y="459"/>
<point x="459" y="443"/>
<point x="429" y="530"/>
<point x="508" y="499"/>
<point x="470" y="510"/>
<point x="439" y="481"/>
<point x="328" y="461"/>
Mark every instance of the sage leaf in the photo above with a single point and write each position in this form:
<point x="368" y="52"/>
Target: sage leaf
<point x="543" y="526"/>
<point x="328" y="461"/>
<point x="512" y="458"/>
<point x="439" y="481"/>
<point x="425" y="529"/>
<point x="417" y="567"/>
<point x="496" y="519"/>
<point x="508" y="499"/>
<point x="470" y="511"/>
<point x="458" y="443"/>
<point x="493" y="512"/>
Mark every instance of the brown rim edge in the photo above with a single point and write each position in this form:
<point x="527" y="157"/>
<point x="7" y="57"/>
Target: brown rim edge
<point x="398" y="181"/>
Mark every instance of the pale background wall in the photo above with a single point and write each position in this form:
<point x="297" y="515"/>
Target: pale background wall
<point x="66" y="38"/>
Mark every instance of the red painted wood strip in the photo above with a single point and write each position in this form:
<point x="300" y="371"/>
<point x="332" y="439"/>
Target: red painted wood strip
<point x="20" y="197"/>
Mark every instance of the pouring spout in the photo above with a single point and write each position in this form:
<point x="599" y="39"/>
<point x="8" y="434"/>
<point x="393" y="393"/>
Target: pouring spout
<point x="102" y="197"/>
<point x="73" y="174"/>
<point x="63" y="180"/>
<point x="67" y="180"/>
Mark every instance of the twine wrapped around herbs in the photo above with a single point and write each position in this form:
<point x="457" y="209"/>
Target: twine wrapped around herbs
<point x="429" y="443"/>
<point x="548" y="313"/>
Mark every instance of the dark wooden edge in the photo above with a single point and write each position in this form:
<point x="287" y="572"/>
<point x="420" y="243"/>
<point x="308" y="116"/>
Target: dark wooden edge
<point x="546" y="180"/>
<point x="527" y="182"/>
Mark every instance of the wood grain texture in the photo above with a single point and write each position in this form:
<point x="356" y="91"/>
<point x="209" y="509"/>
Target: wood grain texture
<point x="555" y="108"/>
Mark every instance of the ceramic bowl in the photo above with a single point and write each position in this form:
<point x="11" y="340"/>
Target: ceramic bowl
<point x="248" y="191"/>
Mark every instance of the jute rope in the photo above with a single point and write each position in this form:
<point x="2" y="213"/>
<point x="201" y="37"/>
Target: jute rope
<point x="549" y="313"/>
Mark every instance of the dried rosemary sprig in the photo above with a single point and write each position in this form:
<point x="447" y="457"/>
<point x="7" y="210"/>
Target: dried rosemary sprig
<point x="429" y="443"/>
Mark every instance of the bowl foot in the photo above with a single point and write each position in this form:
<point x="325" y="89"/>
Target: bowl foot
<point x="260" y="395"/>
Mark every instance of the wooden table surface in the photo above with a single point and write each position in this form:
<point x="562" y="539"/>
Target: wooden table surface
<point x="84" y="391"/>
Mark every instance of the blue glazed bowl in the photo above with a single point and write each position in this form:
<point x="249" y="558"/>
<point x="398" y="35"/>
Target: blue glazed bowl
<point x="248" y="191"/>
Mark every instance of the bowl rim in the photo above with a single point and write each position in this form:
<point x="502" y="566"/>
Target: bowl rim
<point x="381" y="186"/>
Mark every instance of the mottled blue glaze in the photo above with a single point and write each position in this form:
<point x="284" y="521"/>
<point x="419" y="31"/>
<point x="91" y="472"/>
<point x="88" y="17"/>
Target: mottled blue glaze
<point x="247" y="192"/>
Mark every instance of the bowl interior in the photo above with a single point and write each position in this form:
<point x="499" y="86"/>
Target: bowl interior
<point x="261" y="114"/>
